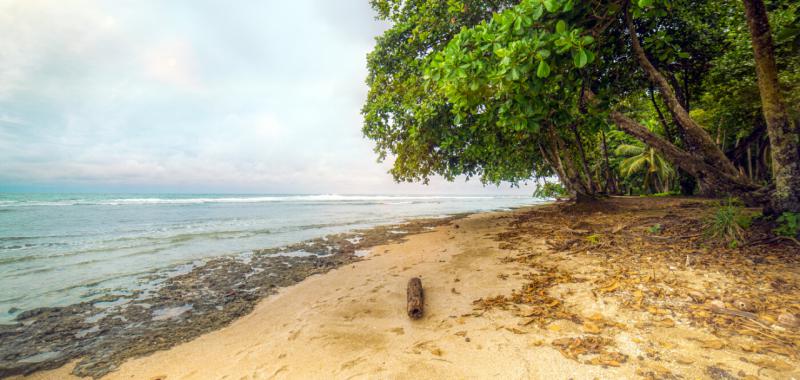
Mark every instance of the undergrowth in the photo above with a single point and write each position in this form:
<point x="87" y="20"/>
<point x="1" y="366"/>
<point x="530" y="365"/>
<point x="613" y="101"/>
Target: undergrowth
<point x="788" y="225"/>
<point x="728" y="223"/>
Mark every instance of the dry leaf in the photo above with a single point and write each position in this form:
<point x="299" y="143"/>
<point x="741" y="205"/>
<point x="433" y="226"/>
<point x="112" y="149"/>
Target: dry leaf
<point x="591" y="328"/>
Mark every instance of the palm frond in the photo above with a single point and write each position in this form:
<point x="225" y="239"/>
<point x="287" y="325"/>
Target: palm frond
<point x="628" y="150"/>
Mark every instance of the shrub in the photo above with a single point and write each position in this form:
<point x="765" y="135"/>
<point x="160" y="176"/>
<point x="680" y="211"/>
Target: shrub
<point x="728" y="224"/>
<point x="788" y="224"/>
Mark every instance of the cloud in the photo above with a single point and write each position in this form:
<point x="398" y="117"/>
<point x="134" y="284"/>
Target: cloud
<point x="190" y="96"/>
<point x="172" y="62"/>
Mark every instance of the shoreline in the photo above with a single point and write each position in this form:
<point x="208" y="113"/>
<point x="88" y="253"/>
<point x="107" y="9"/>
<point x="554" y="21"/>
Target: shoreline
<point x="102" y="333"/>
<point x="551" y="291"/>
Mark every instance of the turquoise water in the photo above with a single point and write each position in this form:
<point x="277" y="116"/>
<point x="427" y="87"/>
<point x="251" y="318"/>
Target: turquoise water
<point x="59" y="249"/>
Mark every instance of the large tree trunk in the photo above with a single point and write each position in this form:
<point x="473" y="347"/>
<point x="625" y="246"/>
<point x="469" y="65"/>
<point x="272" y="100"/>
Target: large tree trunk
<point x="552" y="159"/>
<point x="584" y="163"/>
<point x="565" y="167"/>
<point x="698" y="139"/>
<point x="784" y="137"/>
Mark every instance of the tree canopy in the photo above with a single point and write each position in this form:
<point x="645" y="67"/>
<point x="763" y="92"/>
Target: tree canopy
<point x="513" y="90"/>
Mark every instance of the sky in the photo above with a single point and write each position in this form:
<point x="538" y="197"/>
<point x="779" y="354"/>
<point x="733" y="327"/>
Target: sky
<point x="191" y="96"/>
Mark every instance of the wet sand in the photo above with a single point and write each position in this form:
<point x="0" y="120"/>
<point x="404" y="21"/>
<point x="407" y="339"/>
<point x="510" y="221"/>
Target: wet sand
<point x="351" y="322"/>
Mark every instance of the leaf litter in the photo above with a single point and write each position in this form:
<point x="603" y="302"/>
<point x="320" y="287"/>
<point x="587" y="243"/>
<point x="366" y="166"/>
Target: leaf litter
<point x="744" y="302"/>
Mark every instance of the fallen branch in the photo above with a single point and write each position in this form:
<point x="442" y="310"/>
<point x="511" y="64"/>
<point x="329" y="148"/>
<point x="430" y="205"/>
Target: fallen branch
<point x="415" y="298"/>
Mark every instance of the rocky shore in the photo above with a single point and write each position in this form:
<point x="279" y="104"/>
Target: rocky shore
<point x="104" y="332"/>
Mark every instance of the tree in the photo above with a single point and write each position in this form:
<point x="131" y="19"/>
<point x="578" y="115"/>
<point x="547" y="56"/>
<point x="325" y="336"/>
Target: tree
<point x="784" y="135"/>
<point x="415" y="125"/>
<point x="645" y="161"/>
<point x="532" y="89"/>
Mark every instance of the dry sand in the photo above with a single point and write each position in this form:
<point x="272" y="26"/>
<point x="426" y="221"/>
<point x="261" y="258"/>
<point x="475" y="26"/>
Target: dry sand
<point x="351" y="323"/>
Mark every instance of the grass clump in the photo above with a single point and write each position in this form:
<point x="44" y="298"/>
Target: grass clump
<point x="594" y="239"/>
<point x="728" y="224"/>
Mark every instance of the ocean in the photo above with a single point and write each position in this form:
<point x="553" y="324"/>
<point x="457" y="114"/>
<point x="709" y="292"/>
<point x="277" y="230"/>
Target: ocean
<point x="61" y="249"/>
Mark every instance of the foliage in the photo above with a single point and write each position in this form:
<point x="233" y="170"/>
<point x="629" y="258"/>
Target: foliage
<point x="663" y="194"/>
<point x="594" y="239"/>
<point x="788" y="224"/>
<point x="496" y="90"/>
<point x="728" y="223"/>
<point x="550" y="190"/>
<point x="656" y="171"/>
<point x="655" y="229"/>
<point x="729" y="105"/>
<point x="414" y="125"/>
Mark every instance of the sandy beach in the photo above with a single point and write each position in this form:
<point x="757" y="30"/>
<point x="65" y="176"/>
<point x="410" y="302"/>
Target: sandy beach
<point x="506" y="298"/>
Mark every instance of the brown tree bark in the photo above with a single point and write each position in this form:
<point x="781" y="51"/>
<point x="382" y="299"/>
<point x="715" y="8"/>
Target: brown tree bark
<point x="415" y="298"/>
<point x="611" y="181"/>
<point x="565" y="167"/>
<point x="584" y="163"/>
<point x="784" y="136"/>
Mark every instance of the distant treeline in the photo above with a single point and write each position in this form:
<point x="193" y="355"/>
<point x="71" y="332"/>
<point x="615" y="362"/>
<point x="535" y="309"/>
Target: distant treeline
<point x="611" y="97"/>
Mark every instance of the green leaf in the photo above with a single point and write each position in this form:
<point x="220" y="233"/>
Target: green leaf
<point x="590" y="56"/>
<point x="544" y="70"/>
<point x="561" y="26"/>
<point x="544" y="53"/>
<point x="587" y="40"/>
<point x="551" y="5"/>
<point x="537" y="12"/>
<point x="580" y="58"/>
<point x="645" y="3"/>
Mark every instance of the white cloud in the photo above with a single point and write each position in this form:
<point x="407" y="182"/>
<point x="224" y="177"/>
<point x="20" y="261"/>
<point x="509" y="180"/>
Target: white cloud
<point x="189" y="96"/>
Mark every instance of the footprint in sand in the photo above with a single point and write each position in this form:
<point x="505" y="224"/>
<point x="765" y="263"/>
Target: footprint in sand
<point x="352" y="363"/>
<point x="279" y="370"/>
<point x="294" y="334"/>
<point x="398" y="330"/>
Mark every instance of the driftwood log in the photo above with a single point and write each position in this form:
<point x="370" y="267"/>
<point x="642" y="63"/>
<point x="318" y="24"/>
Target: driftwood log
<point x="415" y="298"/>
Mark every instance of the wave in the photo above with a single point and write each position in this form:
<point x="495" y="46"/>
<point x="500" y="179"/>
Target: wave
<point x="244" y="199"/>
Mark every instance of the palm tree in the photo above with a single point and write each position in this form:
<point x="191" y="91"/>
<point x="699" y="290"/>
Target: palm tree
<point x="656" y="170"/>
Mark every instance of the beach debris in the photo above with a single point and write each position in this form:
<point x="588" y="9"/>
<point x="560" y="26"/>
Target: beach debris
<point x="744" y="305"/>
<point x="717" y="373"/>
<point x="415" y="298"/>
<point x="715" y="307"/>
<point x="696" y="296"/>
<point x="747" y="298"/>
<point x="789" y="320"/>
<point x="576" y="348"/>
